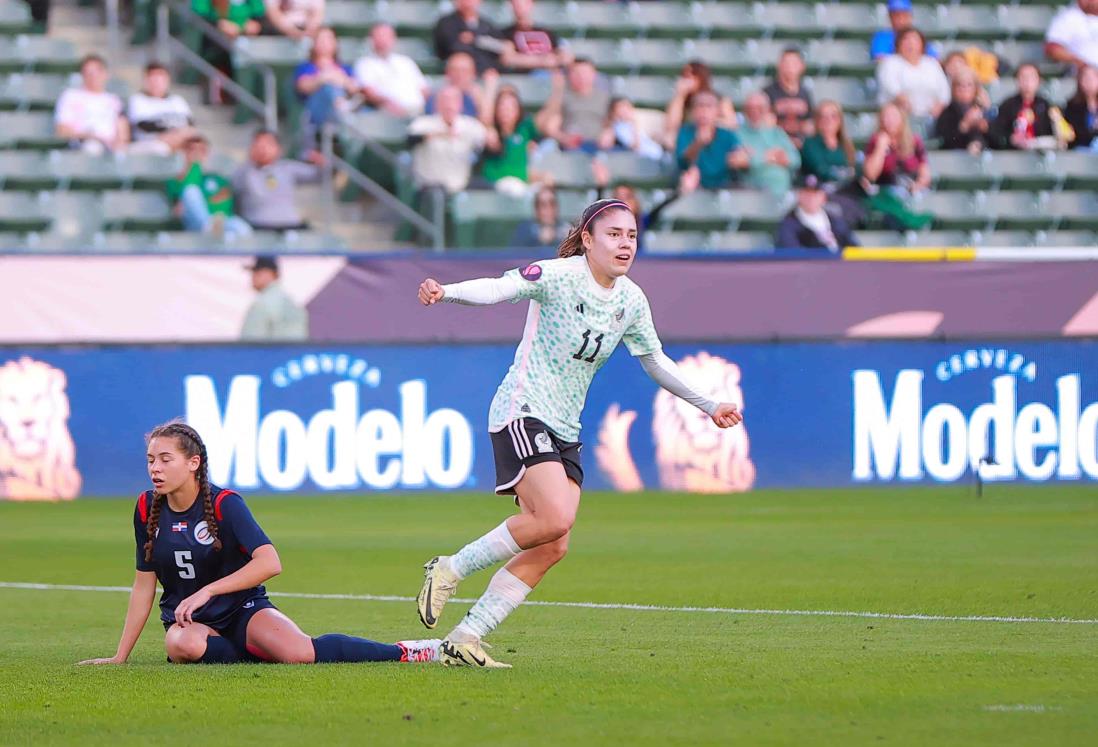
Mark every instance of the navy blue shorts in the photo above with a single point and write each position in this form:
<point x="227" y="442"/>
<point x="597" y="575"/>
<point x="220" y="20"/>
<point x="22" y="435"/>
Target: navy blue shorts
<point x="235" y="631"/>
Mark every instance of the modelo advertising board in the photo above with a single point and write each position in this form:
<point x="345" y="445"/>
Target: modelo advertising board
<point x="360" y="419"/>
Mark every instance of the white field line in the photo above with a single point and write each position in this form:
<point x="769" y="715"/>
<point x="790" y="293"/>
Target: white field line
<point x="629" y="607"/>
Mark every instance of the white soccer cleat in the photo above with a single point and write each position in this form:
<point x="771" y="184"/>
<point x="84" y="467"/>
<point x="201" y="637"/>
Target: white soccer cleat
<point x="439" y="584"/>
<point x="468" y="654"/>
<point x="419" y="652"/>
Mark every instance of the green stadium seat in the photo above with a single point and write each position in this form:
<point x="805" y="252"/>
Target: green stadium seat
<point x="148" y="170"/>
<point x="15" y="165"/>
<point x="37" y="91"/>
<point x="729" y="19"/>
<point x="638" y="172"/>
<point x="853" y="20"/>
<point x="849" y="92"/>
<point x="41" y="54"/>
<point x="674" y="242"/>
<point x="143" y="210"/>
<point x="486" y="219"/>
<point x="1075" y="169"/>
<point x="411" y="17"/>
<point x="658" y="56"/>
<point x="390" y="131"/>
<point x="739" y="241"/>
<point x="881" y="238"/>
<point x="607" y="55"/>
<point x="570" y="170"/>
<point x="556" y="16"/>
<point x="645" y="90"/>
<point x="1030" y="20"/>
<point x="76" y="215"/>
<point x="952" y="210"/>
<point x="839" y="57"/>
<point x="608" y="20"/>
<point x="29" y="130"/>
<point x="1020" y="170"/>
<point x="1004" y="238"/>
<point x="74" y="169"/>
<point x="671" y="20"/>
<point x="937" y="238"/>
<point x="15" y="17"/>
<point x="703" y="210"/>
<point x="961" y="21"/>
<point x="1067" y="238"/>
<point x="350" y="19"/>
<point x="724" y="56"/>
<point x="958" y="169"/>
<point x="533" y="90"/>
<point x="1014" y="210"/>
<point x="1072" y="210"/>
<point x="22" y="212"/>
<point x="123" y="242"/>
<point x="756" y="210"/>
<point x="1012" y="53"/>
<point x="790" y="20"/>
<point x="276" y="51"/>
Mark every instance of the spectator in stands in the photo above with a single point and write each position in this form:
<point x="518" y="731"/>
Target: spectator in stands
<point x="161" y="122"/>
<point x="265" y="187"/>
<point x="324" y="84"/>
<point x="546" y="229"/>
<point x="294" y="19"/>
<point x="574" y="114"/>
<point x="831" y="157"/>
<point x="445" y="145"/>
<point x="912" y="78"/>
<point x="957" y="63"/>
<point x="510" y="138"/>
<point x="465" y="31"/>
<point x="695" y="78"/>
<point x="1024" y="122"/>
<point x="461" y="73"/>
<point x="773" y="159"/>
<point x="90" y="117"/>
<point x="707" y="149"/>
<point x="901" y="15"/>
<point x="273" y="315"/>
<point x="204" y="200"/>
<point x="791" y="100"/>
<point x="1073" y="35"/>
<point x="964" y="124"/>
<point x="531" y="47"/>
<point x="896" y="169"/>
<point x="1081" y="111"/>
<point x="233" y="18"/>
<point x="389" y="80"/>
<point x="689" y="181"/>
<point x="623" y="131"/>
<point x="809" y="225"/>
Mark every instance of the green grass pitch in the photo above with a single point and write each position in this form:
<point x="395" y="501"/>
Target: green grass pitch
<point x="601" y="676"/>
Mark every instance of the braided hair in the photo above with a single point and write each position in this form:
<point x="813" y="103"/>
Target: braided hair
<point x="190" y="443"/>
<point x="572" y="245"/>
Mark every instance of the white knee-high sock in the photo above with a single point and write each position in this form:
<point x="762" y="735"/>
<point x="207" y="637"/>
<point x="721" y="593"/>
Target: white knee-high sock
<point x="485" y="552"/>
<point x="505" y="592"/>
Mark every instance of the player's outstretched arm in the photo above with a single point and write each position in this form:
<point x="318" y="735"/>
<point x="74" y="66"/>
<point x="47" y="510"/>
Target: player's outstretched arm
<point x="668" y="375"/>
<point x="137" y="614"/>
<point x="264" y="565"/>
<point x="479" y="292"/>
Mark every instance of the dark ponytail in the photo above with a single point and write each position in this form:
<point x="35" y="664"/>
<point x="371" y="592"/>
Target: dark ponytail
<point x="190" y="443"/>
<point x="572" y="245"/>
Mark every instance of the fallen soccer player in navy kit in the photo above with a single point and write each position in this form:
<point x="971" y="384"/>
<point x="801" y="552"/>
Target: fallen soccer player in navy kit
<point x="211" y="557"/>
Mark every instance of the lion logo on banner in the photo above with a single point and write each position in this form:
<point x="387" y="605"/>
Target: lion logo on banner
<point x="37" y="455"/>
<point x="691" y="454"/>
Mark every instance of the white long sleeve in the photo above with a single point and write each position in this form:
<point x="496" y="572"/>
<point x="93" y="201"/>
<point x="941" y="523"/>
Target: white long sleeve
<point x="667" y="374"/>
<point x="482" y="291"/>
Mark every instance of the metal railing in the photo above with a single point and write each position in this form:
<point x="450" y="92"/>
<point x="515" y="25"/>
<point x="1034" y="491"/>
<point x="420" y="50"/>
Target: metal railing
<point x="169" y="48"/>
<point x="433" y="227"/>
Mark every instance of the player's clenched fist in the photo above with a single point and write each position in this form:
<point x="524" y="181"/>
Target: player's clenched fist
<point x="430" y="292"/>
<point x="727" y="415"/>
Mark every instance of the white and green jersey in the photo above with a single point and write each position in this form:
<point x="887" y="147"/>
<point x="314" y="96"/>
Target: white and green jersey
<point x="572" y="326"/>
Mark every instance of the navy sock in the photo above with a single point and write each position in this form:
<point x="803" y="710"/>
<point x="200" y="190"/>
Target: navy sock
<point x="219" y="651"/>
<point x="335" y="647"/>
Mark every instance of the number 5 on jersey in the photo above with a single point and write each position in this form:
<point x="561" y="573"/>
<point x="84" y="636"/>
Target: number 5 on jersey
<point x="186" y="570"/>
<point x="578" y="355"/>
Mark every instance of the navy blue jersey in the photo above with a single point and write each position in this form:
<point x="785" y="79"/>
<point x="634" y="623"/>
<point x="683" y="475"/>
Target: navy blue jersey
<point x="184" y="558"/>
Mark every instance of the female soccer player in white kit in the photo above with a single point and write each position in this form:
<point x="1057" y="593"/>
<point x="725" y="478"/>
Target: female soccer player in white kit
<point x="581" y="305"/>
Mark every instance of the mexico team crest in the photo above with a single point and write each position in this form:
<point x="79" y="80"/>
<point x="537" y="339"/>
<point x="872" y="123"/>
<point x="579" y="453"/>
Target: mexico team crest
<point x="37" y="454"/>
